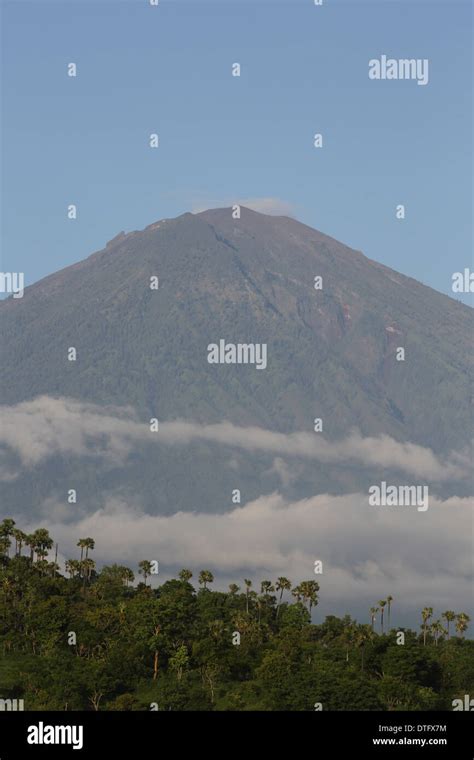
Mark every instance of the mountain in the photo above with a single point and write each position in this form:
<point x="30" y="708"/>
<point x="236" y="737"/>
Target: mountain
<point x="331" y="354"/>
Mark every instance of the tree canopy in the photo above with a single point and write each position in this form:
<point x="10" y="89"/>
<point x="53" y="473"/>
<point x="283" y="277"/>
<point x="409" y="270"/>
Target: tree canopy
<point x="94" y="641"/>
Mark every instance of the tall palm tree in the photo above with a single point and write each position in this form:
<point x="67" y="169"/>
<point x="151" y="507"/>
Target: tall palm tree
<point x="4" y="545"/>
<point x="381" y="603"/>
<point x="233" y="589"/>
<point x="15" y="534"/>
<point x="30" y="543"/>
<point x="185" y="575"/>
<point x="282" y="584"/>
<point x="128" y="575"/>
<point x="144" y="568"/>
<point x="88" y="565"/>
<point x="253" y="598"/>
<point x="297" y="593"/>
<point x="426" y="613"/>
<point x="462" y="623"/>
<point x="450" y="617"/>
<point x="248" y="585"/>
<point x="42" y="541"/>
<point x="389" y="604"/>
<point x="309" y="592"/>
<point x="437" y="629"/>
<point x="41" y="564"/>
<point x="205" y="577"/>
<point x="82" y="545"/>
<point x="20" y="537"/>
<point x="73" y="567"/>
<point x="89" y="543"/>
<point x="266" y="587"/>
<point x="7" y="527"/>
<point x="53" y="568"/>
<point x="373" y="613"/>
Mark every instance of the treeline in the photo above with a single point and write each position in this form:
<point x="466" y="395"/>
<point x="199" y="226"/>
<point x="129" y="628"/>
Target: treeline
<point x="95" y="641"/>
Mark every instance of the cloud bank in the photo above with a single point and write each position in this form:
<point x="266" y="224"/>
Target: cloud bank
<point x="367" y="552"/>
<point x="35" y="430"/>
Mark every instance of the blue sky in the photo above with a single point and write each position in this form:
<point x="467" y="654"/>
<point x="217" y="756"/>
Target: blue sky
<point x="167" y="69"/>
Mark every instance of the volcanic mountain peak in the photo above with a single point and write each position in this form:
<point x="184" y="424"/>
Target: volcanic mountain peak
<point x="327" y="324"/>
<point x="332" y="321"/>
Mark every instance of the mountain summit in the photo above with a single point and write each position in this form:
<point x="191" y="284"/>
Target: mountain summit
<point x="332" y="321"/>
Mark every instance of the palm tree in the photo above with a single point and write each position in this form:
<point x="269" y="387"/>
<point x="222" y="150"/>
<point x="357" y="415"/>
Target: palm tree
<point x="426" y="613"/>
<point x="53" y="568"/>
<point x="42" y="542"/>
<point x="389" y="604"/>
<point x="462" y="623"/>
<point x="144" y="568"/>
<point x="73" y="567"/>
<point x="88" y="565"/>
<point x="297" y="593"/>
<point x="205" y="577"/>
<point x="233" y="589"/>
<point x="16" y="536"/>
<point x="89" y="543"/>
<point x="4" y="545"/>
<point x="41" y="564"/>
<point x="20" y="538"/>
<point x="282" y="584"/>
<point x="309" y="592"/>
<point x="450" y="617"/>
<point x="437" y="629"/>
<point x="253" y="598"/>
<point x="248" y="584"/>
<point x="185" y="575"/>
<point x="373" y="613"/>
<point x="266" y="587"/>
<point x="364" y="634"/>
<point x="128" y="575"/>
<point x="30" y="543"/>
<point x="7" y="527"/>
<point x="381" y="604"/>
<point x="82" y="545"/>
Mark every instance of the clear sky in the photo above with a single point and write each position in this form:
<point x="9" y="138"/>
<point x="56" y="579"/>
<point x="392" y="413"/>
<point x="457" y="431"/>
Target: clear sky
<point x="304" y="69"/>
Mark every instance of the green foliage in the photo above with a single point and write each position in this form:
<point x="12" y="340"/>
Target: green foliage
<point x="93" y="641"/>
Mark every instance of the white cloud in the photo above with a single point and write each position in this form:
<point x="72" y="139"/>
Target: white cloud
<point x="421" y="558"/>
<point x="34" y="430"/>
<point x="367" y="552"/>
<point x="269" y="205"/>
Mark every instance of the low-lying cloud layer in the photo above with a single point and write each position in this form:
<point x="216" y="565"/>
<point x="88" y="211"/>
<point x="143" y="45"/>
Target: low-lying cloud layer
<point x="367" y="552"/>
<point x="35" y="430"/>
<point x="421" y="558"/>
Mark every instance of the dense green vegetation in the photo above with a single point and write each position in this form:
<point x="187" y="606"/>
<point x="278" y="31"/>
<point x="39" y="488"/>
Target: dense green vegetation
<point x="93" y="641"/>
